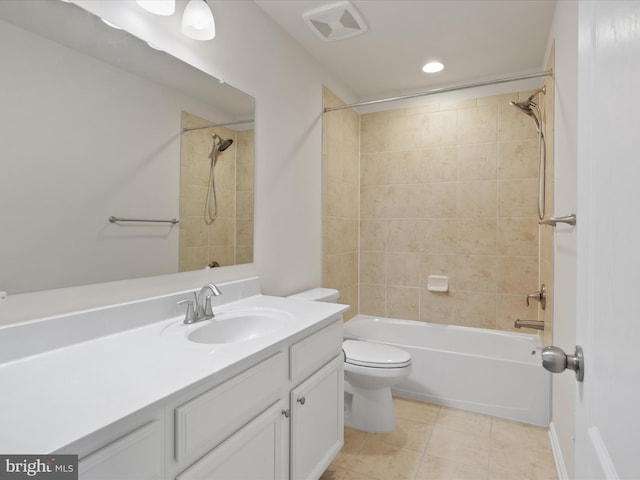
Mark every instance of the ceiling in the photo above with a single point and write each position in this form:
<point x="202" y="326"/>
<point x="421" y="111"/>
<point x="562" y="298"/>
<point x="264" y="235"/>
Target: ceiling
<point x="476" y="40"/>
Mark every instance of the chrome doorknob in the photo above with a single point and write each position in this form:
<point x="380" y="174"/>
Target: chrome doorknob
<point x="556" y="361"/>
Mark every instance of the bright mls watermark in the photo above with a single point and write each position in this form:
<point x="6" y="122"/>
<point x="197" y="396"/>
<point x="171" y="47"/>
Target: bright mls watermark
<point x="50" y="467"/>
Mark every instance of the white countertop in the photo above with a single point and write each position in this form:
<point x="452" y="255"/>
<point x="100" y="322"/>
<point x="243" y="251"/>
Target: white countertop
<point x="51" y="399"/>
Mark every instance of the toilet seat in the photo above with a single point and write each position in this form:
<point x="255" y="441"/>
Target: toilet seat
<point x="374" y="355"/>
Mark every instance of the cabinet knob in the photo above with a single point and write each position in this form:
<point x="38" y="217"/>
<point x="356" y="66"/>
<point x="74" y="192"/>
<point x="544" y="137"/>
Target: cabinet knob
<point x="301" y="400"/>
<point x="285" y="413"/>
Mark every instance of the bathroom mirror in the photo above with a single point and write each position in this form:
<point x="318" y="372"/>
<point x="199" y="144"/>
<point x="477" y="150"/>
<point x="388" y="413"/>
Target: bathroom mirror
<point x="91" y="128"/>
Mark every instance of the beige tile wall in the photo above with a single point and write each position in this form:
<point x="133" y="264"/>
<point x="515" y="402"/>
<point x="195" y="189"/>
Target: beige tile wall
<point x="449" y="189"/>
<point x="340" y="181"/>
<point x="229" y="239"/>
<point x="244" y="196"/>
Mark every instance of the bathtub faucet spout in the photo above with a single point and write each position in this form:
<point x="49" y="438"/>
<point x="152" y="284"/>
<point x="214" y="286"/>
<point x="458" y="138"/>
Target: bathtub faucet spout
<point x="537" y="324"/>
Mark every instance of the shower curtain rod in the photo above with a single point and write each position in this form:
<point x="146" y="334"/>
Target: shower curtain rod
<point x="239" y="122"/>
<point x="434" y="91"/>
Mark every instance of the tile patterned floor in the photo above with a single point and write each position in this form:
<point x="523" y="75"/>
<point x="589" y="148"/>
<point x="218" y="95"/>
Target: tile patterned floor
<point x="431" y="442"/>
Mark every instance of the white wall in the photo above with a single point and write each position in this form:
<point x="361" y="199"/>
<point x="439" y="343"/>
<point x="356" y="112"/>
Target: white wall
<point x="565" y="35"/>
<point x="251" y="53"/>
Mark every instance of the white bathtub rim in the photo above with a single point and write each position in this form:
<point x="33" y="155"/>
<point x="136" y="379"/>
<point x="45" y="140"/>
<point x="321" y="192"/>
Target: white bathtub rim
<point x="532" y="340"/>
<point x="444" y="326"/>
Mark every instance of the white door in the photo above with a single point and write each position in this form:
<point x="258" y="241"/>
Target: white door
<point x="607" y="422"/>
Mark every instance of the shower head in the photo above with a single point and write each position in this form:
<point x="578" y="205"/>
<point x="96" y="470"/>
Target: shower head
<point x="526" y="105"/>
<point x="224" y="144"/>
<point x="529" y="107"/>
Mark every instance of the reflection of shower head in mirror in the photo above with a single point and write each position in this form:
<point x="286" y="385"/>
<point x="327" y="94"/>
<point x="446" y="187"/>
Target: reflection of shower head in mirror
<point x="219" y="146"/>
<point x="224" y="144"/>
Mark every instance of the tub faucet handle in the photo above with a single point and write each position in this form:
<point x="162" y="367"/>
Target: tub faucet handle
<point x="540" y="296"/>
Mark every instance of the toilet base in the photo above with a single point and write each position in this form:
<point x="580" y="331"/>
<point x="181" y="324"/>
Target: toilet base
<point x="370" y="409"/>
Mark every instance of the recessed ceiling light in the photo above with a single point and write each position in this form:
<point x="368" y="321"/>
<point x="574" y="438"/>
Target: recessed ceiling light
<point x="432" y="67"/>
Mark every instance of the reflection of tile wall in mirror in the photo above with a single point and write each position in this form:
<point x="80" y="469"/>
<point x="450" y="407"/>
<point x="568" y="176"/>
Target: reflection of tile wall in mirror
<point x="111" y="107"/>
<point x="227" y="240"/>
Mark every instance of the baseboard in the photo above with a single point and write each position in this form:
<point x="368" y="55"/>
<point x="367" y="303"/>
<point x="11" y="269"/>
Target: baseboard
<point x="557" y="454"/>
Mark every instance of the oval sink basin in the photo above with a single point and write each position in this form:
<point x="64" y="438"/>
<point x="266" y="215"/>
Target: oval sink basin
<point x="237" y="327"/>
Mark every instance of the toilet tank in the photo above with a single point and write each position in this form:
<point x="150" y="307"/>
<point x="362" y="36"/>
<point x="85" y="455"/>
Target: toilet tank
<point x="330" y="295"/>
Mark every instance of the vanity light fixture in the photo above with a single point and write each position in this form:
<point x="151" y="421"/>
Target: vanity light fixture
<point x="158" y="7"/>
<point x="432" y="67"/>
<point x="197" y="21"/>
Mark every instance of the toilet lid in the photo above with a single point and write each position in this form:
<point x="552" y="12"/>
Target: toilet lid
<point x="376" y="355"/>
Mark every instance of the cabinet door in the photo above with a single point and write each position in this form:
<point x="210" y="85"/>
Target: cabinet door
<point x="317" y="421"/>
<point x="255" y="452"/>
<point x="137" y="455"/>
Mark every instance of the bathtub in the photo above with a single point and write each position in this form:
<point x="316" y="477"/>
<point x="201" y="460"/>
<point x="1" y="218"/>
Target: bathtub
<point x="487" y="371"/>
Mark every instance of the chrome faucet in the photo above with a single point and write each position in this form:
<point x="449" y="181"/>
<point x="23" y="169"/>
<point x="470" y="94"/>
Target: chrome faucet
<point x="537" y="324"/>
<point x="200" y="307"/>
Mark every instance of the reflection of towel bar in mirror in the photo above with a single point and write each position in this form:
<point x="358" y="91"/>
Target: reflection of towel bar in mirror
<point x="113" y="219"/>
<point x="553" y="221"/>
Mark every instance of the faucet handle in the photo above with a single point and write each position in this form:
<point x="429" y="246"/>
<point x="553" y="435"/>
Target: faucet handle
<point x="189" y="316"/>
<point x="540" y="296"/>
<point x="208" y="308"/>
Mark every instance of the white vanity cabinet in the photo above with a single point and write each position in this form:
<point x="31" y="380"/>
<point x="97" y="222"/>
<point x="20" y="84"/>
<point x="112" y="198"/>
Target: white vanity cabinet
<point x="137" y="455"/>
<point x="257" y="451"/>
<point x="132" y="448"/>
<point x="276" y="415"/>
<point x="317" y="421"/>
<point x="317" y="402"/>
<point x="264" y="424"/>
<point x="231" y="429"/>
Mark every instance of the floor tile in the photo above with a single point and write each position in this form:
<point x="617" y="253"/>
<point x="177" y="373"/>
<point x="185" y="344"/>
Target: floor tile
<point x="334" y="473"/>
<point x="353" y="442"/>
<point x="522" y="471"/>
<point x="355" y="476"/>
<point x="508" y="432"/>
<point x="464" y="421"/>
<point x="466" y="448"/>
<point x="515" y="460"/>
<point x="407" y="434"/>
<point x="437" y="468"/>
<point x="381" y="461"/>
<point x="441" y="443"/>
<point x="416" y="411"/>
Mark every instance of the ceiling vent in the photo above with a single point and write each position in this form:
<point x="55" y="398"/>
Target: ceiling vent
<point x="336" y="21"/>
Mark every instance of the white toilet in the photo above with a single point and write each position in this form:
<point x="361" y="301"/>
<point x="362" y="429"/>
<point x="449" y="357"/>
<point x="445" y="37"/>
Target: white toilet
<point x="370" y="370"/>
